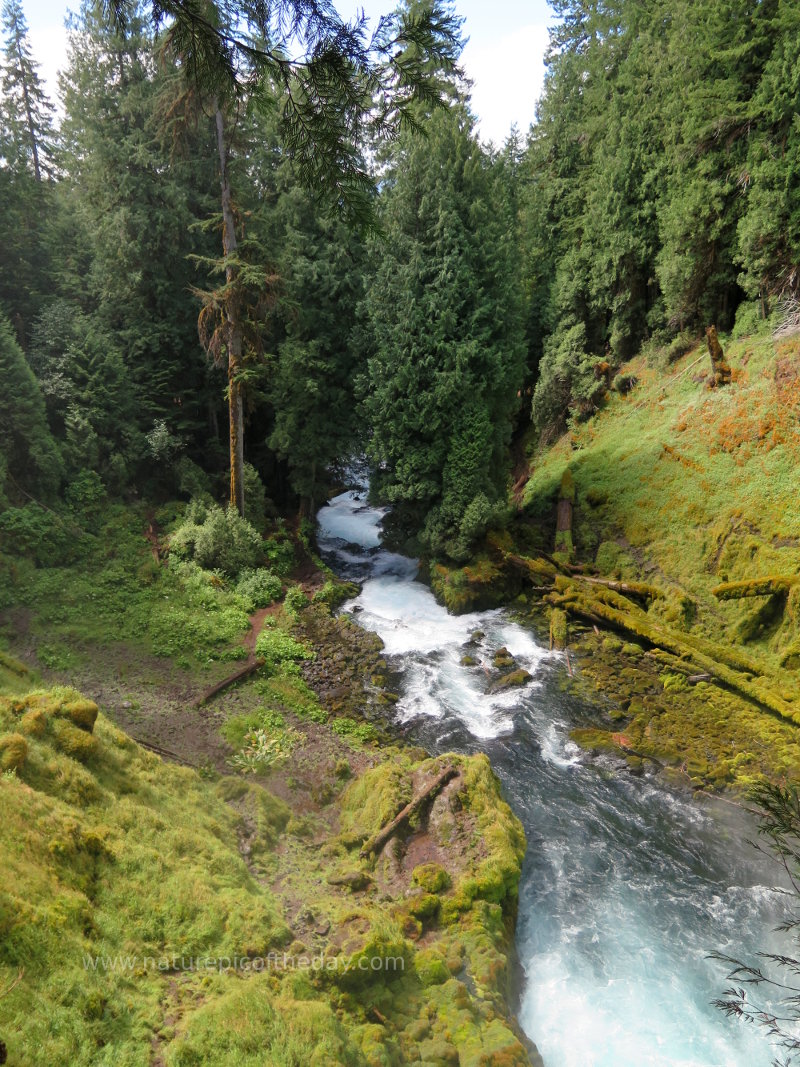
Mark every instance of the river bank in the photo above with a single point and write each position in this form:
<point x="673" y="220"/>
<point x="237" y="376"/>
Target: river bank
<point x="627" y="885"/>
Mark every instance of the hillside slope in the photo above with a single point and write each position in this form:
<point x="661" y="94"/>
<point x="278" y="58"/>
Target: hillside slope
<point x="693" y="491"/>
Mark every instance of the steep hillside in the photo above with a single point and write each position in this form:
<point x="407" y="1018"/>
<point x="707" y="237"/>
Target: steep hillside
<point x="685" y="542"/>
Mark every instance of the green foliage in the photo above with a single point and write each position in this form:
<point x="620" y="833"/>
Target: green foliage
<point x="217" y="539"/>
<point x="645" y="214"/>
<point x="281" y="651"/>
<point x="258" y="588"/>
<point x="361" y="732"/>
<point x="445" y="339"/>
<point x="44" y="536"/>
<point x="296" y="600"/>
<point x="30" y="458"/>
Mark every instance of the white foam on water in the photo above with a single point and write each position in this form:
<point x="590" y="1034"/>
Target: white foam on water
<point x="350" y="519"/>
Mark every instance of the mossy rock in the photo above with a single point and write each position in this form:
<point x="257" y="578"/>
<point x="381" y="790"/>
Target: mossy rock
<point x="13" y="752"/>
<point x="83" y="713"/>
<point x="33" y="722"/>
<point x="431" y="877"/>
<point x="518" y="677"/>
<point x="468" y="661"/>
<point x="354" y="880"/>
<point x="73" y="741"/>
<point x="503" y="659"/>
<point x="630" y="648"/>
<point x="431" y="969"/>
<point x="425" y="906"/>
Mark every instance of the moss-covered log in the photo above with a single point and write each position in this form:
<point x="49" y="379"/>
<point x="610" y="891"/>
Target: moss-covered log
<point x="641" y="590"/>
<point x="535" y="569"/>
<point x="558" y="629"/>
<point x="768" y="586"/>
<point x="685" y="646"/>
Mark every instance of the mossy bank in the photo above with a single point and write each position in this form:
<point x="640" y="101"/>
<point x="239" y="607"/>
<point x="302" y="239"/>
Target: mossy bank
<point x="208" y="902"/>
<point x="677" y="590"/>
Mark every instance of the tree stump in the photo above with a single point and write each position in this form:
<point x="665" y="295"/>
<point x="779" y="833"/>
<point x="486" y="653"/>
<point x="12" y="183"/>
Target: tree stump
<point x="719" y="365"/>
<point x="566" y="502"/>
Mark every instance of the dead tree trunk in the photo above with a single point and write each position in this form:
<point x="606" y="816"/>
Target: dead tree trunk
<point x="719" y="365"/>
<point x="376" y="843"/>
<point x="234" y="326"/>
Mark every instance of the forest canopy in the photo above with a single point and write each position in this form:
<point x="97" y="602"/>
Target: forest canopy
<point x="266" y="240"/>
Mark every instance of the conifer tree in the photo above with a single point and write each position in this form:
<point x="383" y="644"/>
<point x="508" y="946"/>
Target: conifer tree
<point x="447" y="351"/>
<point x="27" y="112"/>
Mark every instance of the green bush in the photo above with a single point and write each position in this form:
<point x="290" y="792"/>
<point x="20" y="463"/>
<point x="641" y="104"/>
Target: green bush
<point x="280" y="555"/>
<point x="279" y="649"/>
<point x="217" y="539"/>
<point x="295" y="601"/>
<point x="258" y="588"/>
<point x="85" y="495"/>
<point x="40" y="535"/>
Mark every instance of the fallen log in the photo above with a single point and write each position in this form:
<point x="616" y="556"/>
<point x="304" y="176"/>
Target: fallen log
<point x="769" y="586"/>
<point x="687" y="646"/>
<point x="377" y="841"/>
<point x="636" y="589"/>
<point x="534" y="568"/>
<point x="237" y="676"/>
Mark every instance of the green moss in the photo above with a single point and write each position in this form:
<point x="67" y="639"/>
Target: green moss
<point x="13" y="751"/>
<point x="559" y="629"/>
<point x="73" y="741"/>
<point x="431" y="877"/>
<point x="82" y="713"/>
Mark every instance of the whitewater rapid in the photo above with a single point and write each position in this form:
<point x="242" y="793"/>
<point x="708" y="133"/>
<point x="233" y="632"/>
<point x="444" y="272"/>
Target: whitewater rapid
<point x="627" y="887"/>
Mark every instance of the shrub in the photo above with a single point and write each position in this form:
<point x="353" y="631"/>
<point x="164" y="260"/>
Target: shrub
<point x="258" y="588"/>
<point x="86" y="494"/>
<point x="279" y="649"/>
<point x="40" y="535"/>
<point x="13" y="751"/>
<point x="295" y="601"/>
<point x="217" y="539"/>
<point x="280" y="555"/>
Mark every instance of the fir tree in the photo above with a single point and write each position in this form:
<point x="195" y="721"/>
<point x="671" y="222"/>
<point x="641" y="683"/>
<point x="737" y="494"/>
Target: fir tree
<point x="447" y="351"/>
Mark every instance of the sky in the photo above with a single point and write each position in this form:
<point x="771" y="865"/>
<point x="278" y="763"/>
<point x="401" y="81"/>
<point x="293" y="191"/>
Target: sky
<point x="503" y="57"/>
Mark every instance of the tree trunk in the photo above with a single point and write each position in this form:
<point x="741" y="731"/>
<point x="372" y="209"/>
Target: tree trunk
<point x="719" y="365"/>
<point x="234" y="332"/>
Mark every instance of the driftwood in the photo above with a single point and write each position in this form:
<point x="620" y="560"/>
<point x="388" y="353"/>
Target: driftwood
<point x="377" y="841"/>
<point x="237" y="676"/>
<point x="768" y="586"/>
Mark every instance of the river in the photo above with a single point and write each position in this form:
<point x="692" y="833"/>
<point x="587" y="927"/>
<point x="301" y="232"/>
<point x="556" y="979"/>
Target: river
<point x="626" y="886"/>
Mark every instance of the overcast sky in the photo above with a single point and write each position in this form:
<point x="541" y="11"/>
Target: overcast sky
<point x="503" y="58"/>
